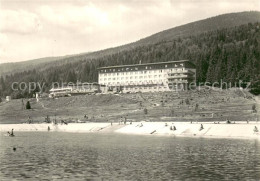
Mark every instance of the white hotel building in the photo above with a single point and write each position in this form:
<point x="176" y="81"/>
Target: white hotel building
<point x="149" y="77"/>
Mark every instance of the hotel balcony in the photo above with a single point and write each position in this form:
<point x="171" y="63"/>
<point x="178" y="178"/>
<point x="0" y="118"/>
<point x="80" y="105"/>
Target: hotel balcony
<point x="177" y="81"/>
<point x="174" y="76"/>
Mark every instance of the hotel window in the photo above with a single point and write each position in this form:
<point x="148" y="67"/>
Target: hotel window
<point x="146" y="67"/>
<point x="166" y="66"/>
<point x="105" y="70"/>
<point x="136" y="68"/>
<point x="127" y="69"/>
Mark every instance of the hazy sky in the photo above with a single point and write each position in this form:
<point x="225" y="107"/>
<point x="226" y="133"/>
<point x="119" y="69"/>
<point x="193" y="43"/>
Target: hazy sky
<point x="39" y="28"/>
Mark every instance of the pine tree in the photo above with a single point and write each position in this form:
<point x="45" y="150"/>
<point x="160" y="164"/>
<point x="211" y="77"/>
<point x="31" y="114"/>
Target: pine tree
<point x="28" y="105"/>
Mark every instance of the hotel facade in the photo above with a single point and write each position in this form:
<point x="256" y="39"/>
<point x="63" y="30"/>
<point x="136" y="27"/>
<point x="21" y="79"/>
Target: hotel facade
<point x="149" y="77"/>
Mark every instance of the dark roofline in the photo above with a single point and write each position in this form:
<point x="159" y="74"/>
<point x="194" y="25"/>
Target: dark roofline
<point x="157" y="63"/>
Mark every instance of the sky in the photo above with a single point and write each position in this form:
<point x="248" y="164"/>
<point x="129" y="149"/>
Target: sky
<point x="31" y="29"/>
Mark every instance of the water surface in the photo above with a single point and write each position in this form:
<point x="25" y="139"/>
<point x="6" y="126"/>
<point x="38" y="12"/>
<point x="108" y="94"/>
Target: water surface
<point x="81" y="156"/>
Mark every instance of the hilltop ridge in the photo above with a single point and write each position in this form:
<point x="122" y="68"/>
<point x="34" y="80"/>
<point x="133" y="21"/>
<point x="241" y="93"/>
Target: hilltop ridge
<point x="193" y="28"/>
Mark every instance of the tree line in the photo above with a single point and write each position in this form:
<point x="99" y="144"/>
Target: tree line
<point x="230" y="54"/>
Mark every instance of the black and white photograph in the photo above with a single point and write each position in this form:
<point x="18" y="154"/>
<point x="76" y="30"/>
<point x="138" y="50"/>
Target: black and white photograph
<point x="129" y="90"/>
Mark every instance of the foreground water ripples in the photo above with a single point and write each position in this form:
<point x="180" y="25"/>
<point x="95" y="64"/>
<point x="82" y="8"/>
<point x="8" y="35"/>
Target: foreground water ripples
<point x="73" y="156"/>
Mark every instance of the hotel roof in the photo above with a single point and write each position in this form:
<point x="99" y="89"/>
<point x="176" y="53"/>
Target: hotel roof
<point x="156" y="63"/>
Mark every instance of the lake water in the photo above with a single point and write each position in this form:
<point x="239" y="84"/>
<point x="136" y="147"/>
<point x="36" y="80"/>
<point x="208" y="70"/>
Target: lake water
<point x="83" y="156"/>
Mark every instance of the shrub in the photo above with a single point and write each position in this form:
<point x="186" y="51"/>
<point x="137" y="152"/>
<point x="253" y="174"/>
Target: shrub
<point x="254" y="108"/>
<point x="196" y="107"/>
<point x="145" y="111"/>
<point x="28" y="105"/>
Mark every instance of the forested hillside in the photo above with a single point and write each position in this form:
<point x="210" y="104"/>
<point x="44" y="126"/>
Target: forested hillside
<point x="190" y="29"/>
<point x="230" y="54"/>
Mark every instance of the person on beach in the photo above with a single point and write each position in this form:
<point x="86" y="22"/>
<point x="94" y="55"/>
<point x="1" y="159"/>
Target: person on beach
<point x="228" y="121"/>
<point x="10" y="134"/>
<point x="256" y="129"/>
<point x="201" y="127"/>
<point x="49" y="128"/>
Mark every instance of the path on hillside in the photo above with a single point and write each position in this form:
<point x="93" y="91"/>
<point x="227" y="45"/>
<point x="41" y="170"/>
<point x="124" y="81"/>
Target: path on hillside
<point x="41" y="103"/>
<point x="257" y="99"/>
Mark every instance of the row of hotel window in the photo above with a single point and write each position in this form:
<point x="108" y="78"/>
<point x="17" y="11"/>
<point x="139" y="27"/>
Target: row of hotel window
<point x="140" y="82"/>
<point x="136" y="68"/>
<point x="136" y="77"/>
<point x="140" y="88"/>
<point x="143" y="72"/>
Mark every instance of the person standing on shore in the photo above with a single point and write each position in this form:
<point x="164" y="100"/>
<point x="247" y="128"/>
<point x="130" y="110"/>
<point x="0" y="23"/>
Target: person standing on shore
<point x="10" y="134"/>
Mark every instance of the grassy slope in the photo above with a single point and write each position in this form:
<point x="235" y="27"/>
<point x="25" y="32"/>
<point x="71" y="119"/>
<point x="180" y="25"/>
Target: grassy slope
<point x="225" y="105"/>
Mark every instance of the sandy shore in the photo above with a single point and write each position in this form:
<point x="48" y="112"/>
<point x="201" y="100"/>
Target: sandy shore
<point x="222" y="130"/>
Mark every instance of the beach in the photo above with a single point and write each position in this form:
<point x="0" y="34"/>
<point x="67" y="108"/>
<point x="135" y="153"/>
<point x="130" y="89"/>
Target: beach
<point x="184" y="129"/>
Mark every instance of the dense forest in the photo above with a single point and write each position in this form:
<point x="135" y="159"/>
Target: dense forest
<point x="191" y="29"/>
<point x="230" y="54"/>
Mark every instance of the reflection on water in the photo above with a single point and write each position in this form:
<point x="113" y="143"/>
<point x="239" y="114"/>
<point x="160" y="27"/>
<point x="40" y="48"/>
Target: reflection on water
<point x="72" y="156"/>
